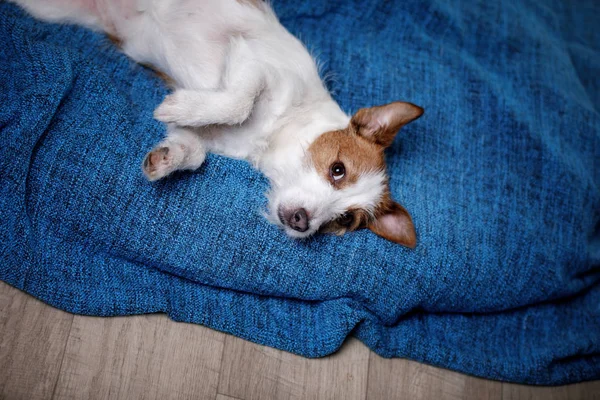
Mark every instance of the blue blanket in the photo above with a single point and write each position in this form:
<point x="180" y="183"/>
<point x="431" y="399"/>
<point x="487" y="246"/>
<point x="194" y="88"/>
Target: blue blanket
<point x="501" y="175"/>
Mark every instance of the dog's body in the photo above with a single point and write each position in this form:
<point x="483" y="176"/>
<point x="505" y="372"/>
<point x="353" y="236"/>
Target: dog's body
<point x="246" y="88"/>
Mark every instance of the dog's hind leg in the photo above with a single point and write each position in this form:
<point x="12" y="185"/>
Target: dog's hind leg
<point x="231" y="104"/>
<point x="181" y="149"/>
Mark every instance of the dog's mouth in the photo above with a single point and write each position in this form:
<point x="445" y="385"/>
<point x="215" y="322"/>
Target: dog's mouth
<point x="280" y="216"/>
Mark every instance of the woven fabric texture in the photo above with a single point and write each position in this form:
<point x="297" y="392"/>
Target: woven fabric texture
<point x="501" y="176"/>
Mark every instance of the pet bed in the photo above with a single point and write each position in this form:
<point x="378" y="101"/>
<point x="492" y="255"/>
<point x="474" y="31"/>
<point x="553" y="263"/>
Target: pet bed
<point x="501" y="176"/>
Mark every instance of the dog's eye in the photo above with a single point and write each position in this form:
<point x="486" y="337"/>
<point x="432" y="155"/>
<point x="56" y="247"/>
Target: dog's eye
<point x="346" y="219"/>
<point x="337" y="171"/>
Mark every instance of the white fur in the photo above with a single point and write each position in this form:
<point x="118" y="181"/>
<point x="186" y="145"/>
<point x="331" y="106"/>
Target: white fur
<point x="244" y="88"/>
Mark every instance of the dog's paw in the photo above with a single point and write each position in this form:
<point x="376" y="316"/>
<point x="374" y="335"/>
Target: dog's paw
<point x="178" y="108"/>
<point x="168" y="110"/>
<point x="158" y="163"/>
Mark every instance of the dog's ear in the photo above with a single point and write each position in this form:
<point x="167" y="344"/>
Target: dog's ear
<point x="395" y="225"/>
<point x="380" y="124"/>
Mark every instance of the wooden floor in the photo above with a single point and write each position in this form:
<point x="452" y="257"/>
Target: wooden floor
<point x="49" y="354"/>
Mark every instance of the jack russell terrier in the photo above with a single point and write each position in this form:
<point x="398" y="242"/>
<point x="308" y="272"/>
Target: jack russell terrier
<point x="244" y="87"/>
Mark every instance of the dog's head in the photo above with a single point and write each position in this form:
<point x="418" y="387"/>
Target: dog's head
<point x="342" y="184"/>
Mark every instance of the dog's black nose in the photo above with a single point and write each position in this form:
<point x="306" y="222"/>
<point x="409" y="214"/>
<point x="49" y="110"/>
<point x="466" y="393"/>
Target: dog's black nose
<point x="299" y="220"/>
<point x="296" y="219"/>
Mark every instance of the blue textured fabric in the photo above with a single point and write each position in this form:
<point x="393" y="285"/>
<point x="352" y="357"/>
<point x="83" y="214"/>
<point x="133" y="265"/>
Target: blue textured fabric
<point x="501" y="175"/>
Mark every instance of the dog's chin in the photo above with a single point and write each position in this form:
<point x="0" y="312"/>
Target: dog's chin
<point x="298" y="235"/>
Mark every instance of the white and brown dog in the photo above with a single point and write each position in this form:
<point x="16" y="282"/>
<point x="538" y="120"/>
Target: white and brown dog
<point x="244" y="87"/>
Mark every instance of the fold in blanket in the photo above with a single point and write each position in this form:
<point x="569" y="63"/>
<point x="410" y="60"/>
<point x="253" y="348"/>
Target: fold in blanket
<point x="501" y="175"/>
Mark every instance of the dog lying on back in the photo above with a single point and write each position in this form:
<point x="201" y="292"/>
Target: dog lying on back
<point x="244" y="87"/>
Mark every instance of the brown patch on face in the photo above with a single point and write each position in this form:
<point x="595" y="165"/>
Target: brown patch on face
<point x="356" y="154"/>
<point x="359" y="155"/>
<point x="357" y="218"/>
<point x="359" y="149"/>
<point x="389" y="220"/>
<point x="354" y="219"/>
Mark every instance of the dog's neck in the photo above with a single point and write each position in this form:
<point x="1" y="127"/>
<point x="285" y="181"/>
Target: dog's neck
<point x="295" y="131"/>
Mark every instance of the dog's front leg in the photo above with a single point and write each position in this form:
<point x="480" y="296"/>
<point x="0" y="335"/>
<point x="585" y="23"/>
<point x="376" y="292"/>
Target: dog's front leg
<point x="181" y="149"/>
<point x="232" y="104"/>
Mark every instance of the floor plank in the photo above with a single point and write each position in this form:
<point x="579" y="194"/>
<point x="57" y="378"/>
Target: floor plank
<point x="250" y="371"/>
<point x="47" y="353"/>
<point x="223" y="397"/>
<point x="142" y="357"/>
<point x="33" y="336"/>
<point x="579" y="391"/>
<point x="405" y="379"/>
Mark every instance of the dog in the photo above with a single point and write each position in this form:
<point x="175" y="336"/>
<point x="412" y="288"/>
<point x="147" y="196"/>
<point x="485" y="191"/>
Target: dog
<point x="244" y="87"/>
